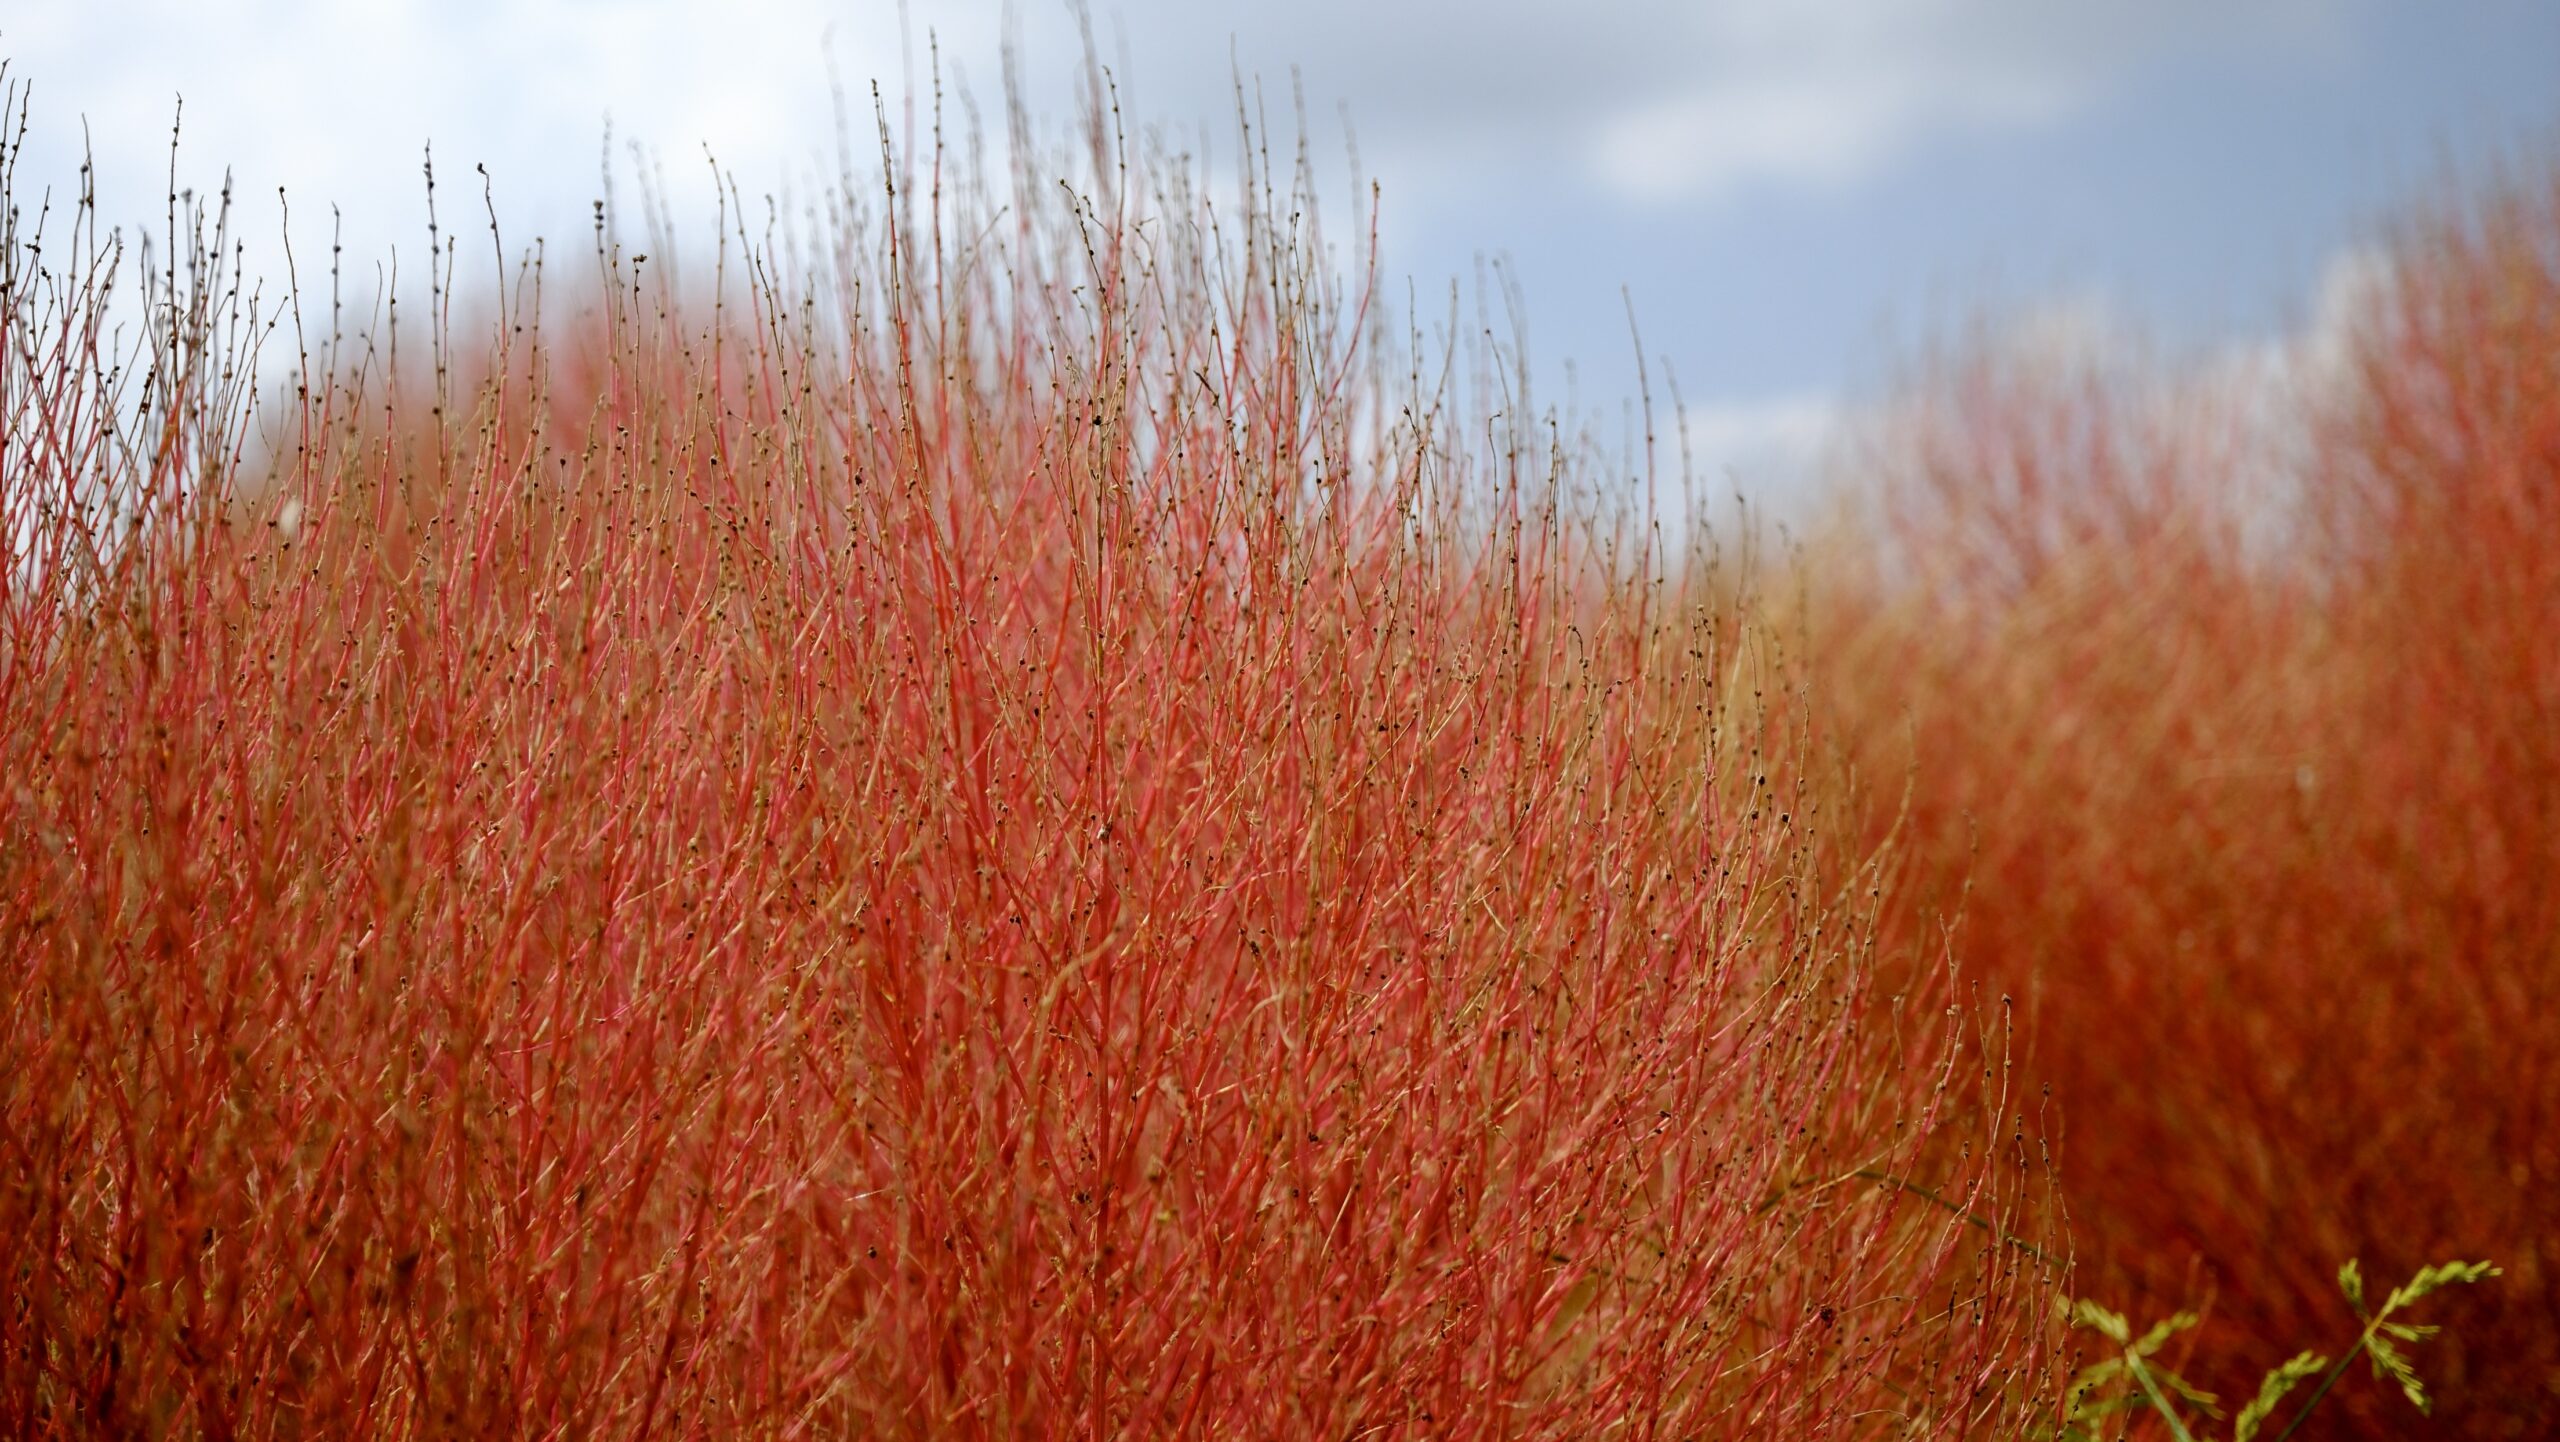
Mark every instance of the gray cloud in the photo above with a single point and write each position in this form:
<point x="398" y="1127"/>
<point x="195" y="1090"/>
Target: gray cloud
<point x="1660" y="100"/>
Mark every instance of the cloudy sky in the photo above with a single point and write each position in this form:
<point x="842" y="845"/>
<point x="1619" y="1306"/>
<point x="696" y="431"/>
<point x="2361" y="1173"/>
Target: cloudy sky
<point x="1796" y="192"/>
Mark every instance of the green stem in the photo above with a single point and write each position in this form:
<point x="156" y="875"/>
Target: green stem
<point x="2327" y="1382"/>
<point x="2151" y="1389"/>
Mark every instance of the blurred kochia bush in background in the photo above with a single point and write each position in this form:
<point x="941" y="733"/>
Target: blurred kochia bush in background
<point x="2250" y="793"/>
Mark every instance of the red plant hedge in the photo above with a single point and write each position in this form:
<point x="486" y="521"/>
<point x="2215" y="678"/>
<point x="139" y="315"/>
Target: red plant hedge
<point x="2253" y="798"/>
<point x="922" y="838"/>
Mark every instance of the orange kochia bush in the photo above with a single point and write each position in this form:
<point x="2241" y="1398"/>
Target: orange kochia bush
<point x="932" y="840"/>
<point x="2251" y="795"/>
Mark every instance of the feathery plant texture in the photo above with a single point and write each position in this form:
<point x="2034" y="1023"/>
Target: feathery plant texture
<point x="954" y="820"/>
<point x="2250" y="795"/>
<point x="2116" y="1389"/>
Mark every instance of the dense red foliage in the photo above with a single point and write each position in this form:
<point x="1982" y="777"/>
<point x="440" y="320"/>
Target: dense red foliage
<point x="1018" y="839"/>
<point x="2257" y="798"/>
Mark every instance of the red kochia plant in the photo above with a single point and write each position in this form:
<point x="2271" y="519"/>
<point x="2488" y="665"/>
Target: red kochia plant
<point x="1008" y="839"/>
<point x="2254" y="802"/>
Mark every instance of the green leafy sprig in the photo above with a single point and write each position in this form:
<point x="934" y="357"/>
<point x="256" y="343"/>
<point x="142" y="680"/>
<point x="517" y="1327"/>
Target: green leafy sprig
<point x="2133" y="1378"/>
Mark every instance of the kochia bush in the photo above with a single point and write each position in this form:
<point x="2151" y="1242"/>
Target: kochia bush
<point x="2252" y="796"/>
<point x="929" y="838"/>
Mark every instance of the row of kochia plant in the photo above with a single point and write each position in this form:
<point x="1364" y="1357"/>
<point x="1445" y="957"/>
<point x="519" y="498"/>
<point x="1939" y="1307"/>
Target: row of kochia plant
<point x="984" y="819"/>
<point x="2228" y="720"/>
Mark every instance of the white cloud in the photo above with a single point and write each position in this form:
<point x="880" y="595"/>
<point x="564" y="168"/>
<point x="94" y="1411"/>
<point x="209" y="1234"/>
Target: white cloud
<point x="1764" y="438"/>
<point x="1817" y="111"/>
<point x="2073" y="333"/>
<point x="1824" y="95"/>
<point x="2297" y="374"/>
<point x="1772" y="450"/>
<point x="336" y="103"/>
<point x="2242" y="416"/>
<point x="2353" y="287"/>
<point x="2285" y="387"/>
